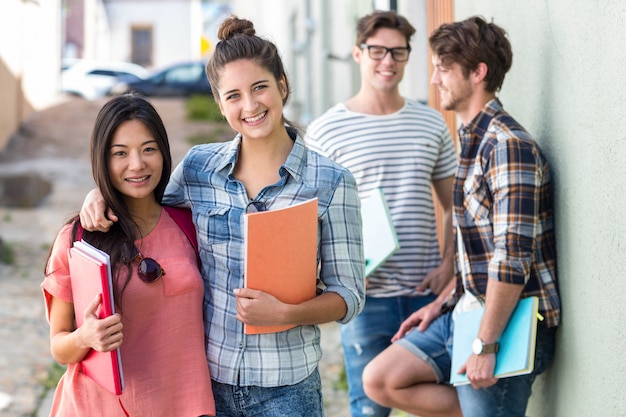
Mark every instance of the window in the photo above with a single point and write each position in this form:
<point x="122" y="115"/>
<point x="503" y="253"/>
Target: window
<point x="142" y="45"/>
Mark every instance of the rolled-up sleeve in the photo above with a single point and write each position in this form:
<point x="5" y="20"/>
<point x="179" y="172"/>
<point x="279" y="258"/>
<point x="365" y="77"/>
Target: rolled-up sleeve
<point x="175" y="190"/>
<point x="342" y="258"/>
<point x="515" y="181"/>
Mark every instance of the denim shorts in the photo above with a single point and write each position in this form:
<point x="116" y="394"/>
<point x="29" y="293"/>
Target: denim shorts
<point x="433" y="346"/>
<point x="507" y="398"/>
<point x="303" y="399"/>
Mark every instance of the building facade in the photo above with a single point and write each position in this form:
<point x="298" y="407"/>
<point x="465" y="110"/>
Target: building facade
<point x="29" y="60"/>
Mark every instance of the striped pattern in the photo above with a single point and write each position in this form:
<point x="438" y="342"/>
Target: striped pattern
<point x="402" y="153"/>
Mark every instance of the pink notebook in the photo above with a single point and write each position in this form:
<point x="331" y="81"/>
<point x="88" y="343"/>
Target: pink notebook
<point x="90" y="270"/>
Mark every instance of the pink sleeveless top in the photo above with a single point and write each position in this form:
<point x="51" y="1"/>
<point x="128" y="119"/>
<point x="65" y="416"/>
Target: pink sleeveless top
<point x="163" y="354"/>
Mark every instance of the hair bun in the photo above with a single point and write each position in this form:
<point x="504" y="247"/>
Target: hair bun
<point x="233" y="26"/>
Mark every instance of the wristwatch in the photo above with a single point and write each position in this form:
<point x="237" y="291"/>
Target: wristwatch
<point x="480" y="348"/>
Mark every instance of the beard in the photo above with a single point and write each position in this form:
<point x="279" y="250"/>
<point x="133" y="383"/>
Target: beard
<point x="454" y="100"/>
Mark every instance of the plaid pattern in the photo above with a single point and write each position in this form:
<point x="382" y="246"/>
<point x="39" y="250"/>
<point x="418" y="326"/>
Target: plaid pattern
<point x="204" y="181"/>
<point x="503" y="207"/>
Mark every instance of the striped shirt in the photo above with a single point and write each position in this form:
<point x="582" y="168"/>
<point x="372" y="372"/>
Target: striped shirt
<point x="204" y="181"/>
<point x="402" y="153"/>
<point x="504" y="210"/>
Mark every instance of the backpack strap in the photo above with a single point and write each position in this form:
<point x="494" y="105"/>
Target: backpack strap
<point x="79" y="230"/>
<point x="182" y="217"/>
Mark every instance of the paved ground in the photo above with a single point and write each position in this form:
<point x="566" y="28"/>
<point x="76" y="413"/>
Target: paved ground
<point x="54" y="143"/>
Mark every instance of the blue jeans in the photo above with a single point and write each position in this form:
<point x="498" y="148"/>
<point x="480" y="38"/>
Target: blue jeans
<point x="303" y="399"/>
<point x="507" y="398"/>
<point x="365" y="337"/>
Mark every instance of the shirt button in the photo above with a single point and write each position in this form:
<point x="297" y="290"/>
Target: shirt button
<point x="240" y="345"/>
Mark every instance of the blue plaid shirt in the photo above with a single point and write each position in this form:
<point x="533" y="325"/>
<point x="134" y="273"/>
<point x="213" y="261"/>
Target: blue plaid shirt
<point x="204" y="181"/>
<point x="503" y="205"/>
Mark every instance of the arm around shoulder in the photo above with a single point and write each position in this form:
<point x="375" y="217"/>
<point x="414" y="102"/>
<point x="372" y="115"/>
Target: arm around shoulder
<point x="94" y="214"/>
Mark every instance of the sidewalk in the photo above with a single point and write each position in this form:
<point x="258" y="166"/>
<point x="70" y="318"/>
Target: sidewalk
<point x="24" y="351"/>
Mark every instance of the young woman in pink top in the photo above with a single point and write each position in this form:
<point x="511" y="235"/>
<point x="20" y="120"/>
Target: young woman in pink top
<point x="158" y="288"/>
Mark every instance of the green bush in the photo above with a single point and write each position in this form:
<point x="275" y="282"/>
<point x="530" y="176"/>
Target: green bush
<point x="203" y="108"/>
<point x="218" y="134"/>
<point x="7" y="253"/>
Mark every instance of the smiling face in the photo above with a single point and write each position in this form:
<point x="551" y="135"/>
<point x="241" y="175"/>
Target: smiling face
<point x="385" y="74"/>
<point x="455" y="89"/>
<point x="251" y="99"/>
<point x="135" y="161"/>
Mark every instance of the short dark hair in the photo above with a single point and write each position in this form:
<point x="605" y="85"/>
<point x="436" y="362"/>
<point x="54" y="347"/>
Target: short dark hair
<point x="471" y="42"/>
<point x="368" y="25"/>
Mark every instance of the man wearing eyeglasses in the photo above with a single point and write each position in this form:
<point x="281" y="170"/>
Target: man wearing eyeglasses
<point x="404" y="147"/>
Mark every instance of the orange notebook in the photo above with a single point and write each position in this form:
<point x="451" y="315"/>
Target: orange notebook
<point x="281" y="255"/>
<point x="90" y="271"/>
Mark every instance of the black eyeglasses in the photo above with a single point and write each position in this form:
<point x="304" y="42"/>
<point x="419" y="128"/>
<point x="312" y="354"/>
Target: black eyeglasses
<point x="255" y="207"/>
<point x="148" y="269"/>
<point x="378" y="53"/>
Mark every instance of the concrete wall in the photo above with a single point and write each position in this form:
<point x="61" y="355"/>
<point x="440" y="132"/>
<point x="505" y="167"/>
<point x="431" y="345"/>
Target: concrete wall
<point x="416" y="79"/>
<point x="30" y="58"/>
<point x="568" y="87"/>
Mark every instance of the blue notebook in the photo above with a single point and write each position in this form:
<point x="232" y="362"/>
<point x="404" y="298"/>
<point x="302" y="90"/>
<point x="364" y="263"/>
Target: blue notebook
<point x="516" y="355"/>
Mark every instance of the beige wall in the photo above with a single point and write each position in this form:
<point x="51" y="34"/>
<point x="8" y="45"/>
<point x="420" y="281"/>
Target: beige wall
<point x="568" y="87"/>
<point x="29" y="60"/>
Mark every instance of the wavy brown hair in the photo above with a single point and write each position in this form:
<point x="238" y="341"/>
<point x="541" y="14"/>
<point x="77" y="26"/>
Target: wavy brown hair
<point x="470" y="42"/>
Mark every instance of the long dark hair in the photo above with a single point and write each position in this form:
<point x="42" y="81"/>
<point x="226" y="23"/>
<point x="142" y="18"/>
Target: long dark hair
<point x="118" y="242"/>
<point x="238" y="40"/>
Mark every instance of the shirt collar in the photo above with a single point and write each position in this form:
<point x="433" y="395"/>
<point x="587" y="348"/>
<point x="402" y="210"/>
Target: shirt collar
<point x="479" y="124"/>
<point x="230" y="156"/>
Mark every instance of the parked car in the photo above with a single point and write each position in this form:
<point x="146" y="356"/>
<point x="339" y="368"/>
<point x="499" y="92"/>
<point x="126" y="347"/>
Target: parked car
<point x="178" y="80"/>
<point x="93" y="79"/>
